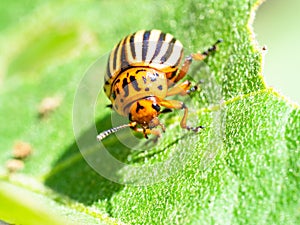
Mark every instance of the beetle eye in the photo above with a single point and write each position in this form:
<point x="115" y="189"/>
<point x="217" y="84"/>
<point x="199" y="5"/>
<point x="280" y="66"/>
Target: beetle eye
<point x="156" y="107"/>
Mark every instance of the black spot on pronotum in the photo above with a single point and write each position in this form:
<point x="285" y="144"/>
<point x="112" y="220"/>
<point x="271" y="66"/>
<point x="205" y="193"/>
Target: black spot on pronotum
<point x="138" y="71"/>
<point x="147" y="89"/>
<point x="113" y="95"/>
<point x="156" y="107"/>
<point x="144" y="79"/>
<point x="160" y="87"/>
<point x="138" y="107"/>
<point x="125" y="87"/>
<point x="134" y="83"/>
<point x="153" y="76"/>
<point x="130" y="117"/>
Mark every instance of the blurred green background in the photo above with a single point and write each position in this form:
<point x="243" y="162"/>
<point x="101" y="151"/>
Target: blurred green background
<point x="277" y="26"/>
<point x="46" y="46"/>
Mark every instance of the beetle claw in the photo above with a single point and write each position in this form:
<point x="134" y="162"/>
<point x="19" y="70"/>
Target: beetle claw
<point x="195" y="129"/>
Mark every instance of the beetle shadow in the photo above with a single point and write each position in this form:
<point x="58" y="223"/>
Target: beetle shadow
<point x="73" y="177"/>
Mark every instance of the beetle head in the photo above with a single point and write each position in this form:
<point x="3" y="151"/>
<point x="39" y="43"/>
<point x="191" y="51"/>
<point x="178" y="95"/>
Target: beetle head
<point x="145" y="112"/>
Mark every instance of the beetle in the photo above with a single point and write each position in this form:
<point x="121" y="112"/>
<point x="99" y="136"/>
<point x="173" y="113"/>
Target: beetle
<point x="142" y="70"/>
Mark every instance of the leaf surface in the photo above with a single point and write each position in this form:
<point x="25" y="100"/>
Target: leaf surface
<point x="242" y="169"/>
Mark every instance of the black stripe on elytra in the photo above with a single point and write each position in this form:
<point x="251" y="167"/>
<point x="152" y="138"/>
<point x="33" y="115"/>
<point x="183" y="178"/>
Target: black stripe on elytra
<point x="115" y="56"/>
<point x="160" y="41"/>
<point x="138" y="107"/>
<point x="108" y="68"/>
<point x="169" y="51"/>
<point x="125" y="87"/>
<point x="124" y="60"/>
<point x="134" y="83"/>
<point x="132" y="48"/>
<point x="145" y="44"/>
<point x="178" y="60"/>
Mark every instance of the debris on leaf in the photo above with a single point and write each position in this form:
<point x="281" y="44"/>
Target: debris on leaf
<point x="21" y="150"/>
<point x="48" y="105"/>
<point x="14" y="165"/>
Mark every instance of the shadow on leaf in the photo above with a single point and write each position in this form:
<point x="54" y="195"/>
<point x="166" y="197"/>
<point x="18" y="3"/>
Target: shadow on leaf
<point x="73" y="177"/>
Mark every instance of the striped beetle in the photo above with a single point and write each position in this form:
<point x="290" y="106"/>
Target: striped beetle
<point x="142" y="70"/>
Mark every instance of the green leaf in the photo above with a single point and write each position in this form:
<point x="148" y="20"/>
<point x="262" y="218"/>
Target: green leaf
<point x="23" y="207"/>
<point x="242" y="169"/>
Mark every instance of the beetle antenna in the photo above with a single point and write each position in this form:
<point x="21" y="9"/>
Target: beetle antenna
<point x="104" y="134"/>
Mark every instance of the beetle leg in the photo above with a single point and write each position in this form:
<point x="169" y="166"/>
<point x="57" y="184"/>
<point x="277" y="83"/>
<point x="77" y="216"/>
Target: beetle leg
<point x="181" y="89"/>
<point x="203" y="55"/>
<point x="184" y="69"/>
<point x="194" y="56"/>
<point x="147" y="131"/>
<point x="174" y="104"/>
